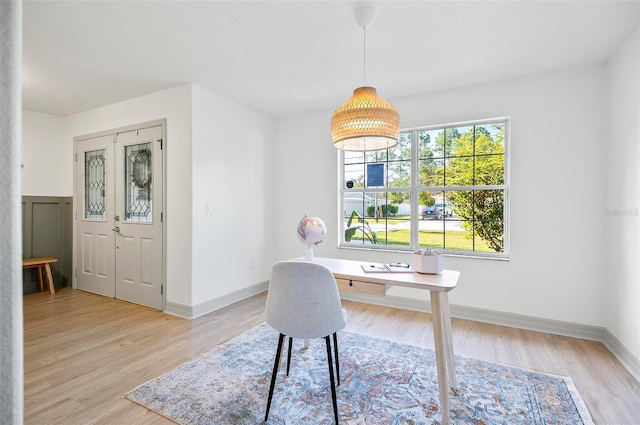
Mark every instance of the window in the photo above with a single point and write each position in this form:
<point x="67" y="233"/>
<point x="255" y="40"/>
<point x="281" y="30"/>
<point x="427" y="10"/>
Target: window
<point x="443" y="188"/>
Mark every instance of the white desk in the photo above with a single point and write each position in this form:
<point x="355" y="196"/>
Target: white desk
<point x="350" y="276"/>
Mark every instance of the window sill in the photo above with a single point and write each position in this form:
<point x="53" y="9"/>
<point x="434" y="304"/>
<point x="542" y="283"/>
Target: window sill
<point x="475" y="256"/>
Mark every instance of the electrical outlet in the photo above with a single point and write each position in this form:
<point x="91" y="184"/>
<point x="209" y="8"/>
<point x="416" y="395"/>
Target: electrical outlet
<point x="209" y="209"/>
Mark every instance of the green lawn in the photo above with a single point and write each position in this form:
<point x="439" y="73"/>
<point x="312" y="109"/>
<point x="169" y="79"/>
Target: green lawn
<point x="455" y="240"/>
<point x="431" y="239"/>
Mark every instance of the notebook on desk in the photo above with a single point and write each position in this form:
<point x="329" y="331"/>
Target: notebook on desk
<point x="387" y="268"/>
<point x="374" y="268"/>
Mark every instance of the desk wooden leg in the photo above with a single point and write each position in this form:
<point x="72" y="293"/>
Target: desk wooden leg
<point x="52" y="289"/>
<point x="446" y="321"/>
<point x="441" y="356"/>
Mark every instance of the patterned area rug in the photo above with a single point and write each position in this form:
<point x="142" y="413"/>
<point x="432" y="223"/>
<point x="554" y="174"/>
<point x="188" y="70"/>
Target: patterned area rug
<point x="383" y="383"/>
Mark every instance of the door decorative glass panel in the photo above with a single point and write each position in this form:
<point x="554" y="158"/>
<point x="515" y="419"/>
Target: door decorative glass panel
<point x="138" y="183"/>
<point x="94" y="185"/>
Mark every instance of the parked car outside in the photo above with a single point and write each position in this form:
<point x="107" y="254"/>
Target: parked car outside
<point x="444" y="210"/>
<point x="431" y="213"/>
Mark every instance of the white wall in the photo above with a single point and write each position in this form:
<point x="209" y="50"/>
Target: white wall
<point x="622" y="206"/>
<point x="305" y="175"/>
<point x="46" y="156"/>
<point x="557" y="265"/>
<point x="217" y="154"/>
<point x="174" y="105"/>
<point x="232" y="247"/>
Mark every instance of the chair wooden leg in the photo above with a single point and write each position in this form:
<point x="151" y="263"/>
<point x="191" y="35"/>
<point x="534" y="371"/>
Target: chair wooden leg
<point x="335" y="350"/>
<point x="333" y="383"/>
<point x="289" y="354"/>
<point x="273" y="375"/>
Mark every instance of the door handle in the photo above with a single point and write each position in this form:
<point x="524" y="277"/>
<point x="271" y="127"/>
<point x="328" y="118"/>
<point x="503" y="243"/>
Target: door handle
<point x="116" y="229"/>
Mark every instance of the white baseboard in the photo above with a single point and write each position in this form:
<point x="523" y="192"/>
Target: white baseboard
<point x="177" y="309"/>
<point x="191" y="312"/>
<point x="629" y="360"/>
<point x="557" y="327"/>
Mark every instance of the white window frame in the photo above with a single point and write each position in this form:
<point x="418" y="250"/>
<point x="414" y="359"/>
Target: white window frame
<point x="415" y="189"/>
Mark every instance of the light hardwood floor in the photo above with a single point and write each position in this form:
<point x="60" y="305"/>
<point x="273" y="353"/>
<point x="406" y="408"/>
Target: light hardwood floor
<point x="83" y="352"/>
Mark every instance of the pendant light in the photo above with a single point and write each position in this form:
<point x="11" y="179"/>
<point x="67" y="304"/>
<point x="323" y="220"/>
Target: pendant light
<point x="366" y="122"/>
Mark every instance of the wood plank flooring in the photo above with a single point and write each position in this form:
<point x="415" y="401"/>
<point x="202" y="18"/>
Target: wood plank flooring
<point x="83" y="352"/>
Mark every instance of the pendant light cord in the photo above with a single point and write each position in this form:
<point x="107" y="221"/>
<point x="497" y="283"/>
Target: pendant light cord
<point x="364" y="61"/>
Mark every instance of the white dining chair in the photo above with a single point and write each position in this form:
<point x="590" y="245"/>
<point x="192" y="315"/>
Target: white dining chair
<point x="303" y="302"/>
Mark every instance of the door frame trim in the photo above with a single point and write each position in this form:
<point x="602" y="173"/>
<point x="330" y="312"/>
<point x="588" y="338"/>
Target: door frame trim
<point x="77" y="201"/>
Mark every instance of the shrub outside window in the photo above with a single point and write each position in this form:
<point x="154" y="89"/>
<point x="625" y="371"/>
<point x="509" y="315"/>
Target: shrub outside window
<point x="441" y="187"/>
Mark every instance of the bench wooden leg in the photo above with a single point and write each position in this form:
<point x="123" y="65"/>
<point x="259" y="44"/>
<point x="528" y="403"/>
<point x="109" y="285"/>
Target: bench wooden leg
<point x="52" y="289"/>
<point x="40" y="278"/>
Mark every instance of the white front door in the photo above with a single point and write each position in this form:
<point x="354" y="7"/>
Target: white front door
<point x="120" y="235"/>
<point x="138" y="217"/>
<point x="95" y="265"/>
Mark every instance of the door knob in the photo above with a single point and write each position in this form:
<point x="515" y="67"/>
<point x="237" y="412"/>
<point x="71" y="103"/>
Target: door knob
<point x="116" y="229"/>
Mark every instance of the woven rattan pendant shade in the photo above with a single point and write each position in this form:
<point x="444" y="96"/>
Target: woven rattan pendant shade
<point x="366" y="122"/>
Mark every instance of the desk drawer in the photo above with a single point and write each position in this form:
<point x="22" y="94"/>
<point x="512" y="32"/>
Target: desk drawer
<point x="361" y="287"/>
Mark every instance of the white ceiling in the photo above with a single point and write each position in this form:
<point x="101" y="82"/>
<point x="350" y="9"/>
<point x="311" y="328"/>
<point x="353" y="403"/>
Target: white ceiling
<point x="287" y="57"/>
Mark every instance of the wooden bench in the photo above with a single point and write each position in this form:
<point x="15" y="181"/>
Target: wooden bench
<point x="41" y="263"/>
